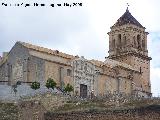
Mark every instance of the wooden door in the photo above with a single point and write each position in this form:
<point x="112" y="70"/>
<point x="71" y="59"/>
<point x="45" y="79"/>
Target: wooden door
<point x="83" y="90"/>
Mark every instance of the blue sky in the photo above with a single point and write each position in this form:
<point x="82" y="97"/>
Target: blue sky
<point x="80" y="30"/>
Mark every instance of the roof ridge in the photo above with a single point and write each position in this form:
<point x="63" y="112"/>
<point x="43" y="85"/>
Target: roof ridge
<point x="46" y="50"/>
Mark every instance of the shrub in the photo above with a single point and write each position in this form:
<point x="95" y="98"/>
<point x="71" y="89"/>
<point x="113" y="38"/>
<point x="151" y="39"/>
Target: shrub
<point x="68" y="88"/>
<point x="35" y="85"/>
<point x="51" y="83"/>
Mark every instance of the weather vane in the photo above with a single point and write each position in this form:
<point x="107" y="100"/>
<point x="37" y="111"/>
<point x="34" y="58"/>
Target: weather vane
<point x="127" y="5"/>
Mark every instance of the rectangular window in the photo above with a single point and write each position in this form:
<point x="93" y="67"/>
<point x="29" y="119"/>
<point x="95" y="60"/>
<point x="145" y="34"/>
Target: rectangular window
<point x="69" y="72"/>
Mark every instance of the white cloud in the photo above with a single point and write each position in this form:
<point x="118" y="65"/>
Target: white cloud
<point x="155" y="81"/>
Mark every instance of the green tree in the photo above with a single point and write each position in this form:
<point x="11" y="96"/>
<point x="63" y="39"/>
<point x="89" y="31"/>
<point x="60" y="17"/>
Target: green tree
<point x="68" y="88"/>
<point x="14" y="87"/>
<point x="35" y="85"/>
<point x="51" y="83"/>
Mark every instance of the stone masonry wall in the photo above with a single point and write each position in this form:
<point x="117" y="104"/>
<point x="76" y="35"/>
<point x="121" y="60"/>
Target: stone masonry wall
<point x="16" y="65"/>
<point x="36" y="69"/>
<point x="149" y="113"/>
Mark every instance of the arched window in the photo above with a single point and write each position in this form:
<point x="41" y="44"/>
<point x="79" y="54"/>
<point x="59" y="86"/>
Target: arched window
<point x="140" y="69"/>
<point x="139" y="41"/>
<point x="135" y="43"/>
<point x="119" y="39"/>
<point x="113" y="43"/>
<point x="143" y="43"/>
<point x="124" y="39"/>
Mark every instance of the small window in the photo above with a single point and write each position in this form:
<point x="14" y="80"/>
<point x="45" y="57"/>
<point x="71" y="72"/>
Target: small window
<point x="139" y="41"/>
<point x="140" y="70"/>
<point x="125" y="40"/>
<point x="69" y="72"/>
<point x="113" y="43"/>
<point x="119" y="39"/>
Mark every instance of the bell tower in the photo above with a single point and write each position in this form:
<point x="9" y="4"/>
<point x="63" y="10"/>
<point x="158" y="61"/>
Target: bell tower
<point x="128" y="44"/>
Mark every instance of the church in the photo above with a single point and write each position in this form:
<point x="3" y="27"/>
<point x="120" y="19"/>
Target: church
<point x="126" y="69"/>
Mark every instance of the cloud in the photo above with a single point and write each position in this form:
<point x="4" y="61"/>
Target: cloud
<point x="44" y="26"/>
<point x="155" y="81"/>
<point x="154" y="48"/>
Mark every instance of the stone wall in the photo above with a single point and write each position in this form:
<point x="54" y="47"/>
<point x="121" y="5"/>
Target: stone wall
<point x="17" y="63"/>
<point x="59" y="107"/>
<point x="36" y="70"/>
<point x="84" y="73"/>
<point x="31" y="110"/>
<point x="3" y="74"/>
<point x="8" y="111"/>
<point x="58" y="72"/>
<point x="148" y="113"/>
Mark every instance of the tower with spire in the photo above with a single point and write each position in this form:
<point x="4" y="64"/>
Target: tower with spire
<point x="128" y="44"/>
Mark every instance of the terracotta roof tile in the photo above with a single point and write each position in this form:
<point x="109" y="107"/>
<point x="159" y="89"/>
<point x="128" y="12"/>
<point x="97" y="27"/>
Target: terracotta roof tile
<point x="97" y="62"/>
<point x="114" y="63"/>
<point x="46" y="50"/>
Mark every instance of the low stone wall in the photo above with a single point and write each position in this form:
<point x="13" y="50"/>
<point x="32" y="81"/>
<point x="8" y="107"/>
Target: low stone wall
<point x="8" y="111"/>
<point x="147" y="113"/>
<point x="43" y="107"/>
<point x="31" y="110"/>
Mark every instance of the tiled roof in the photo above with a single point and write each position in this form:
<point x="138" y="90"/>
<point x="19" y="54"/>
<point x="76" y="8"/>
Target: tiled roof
<point x="97" y="62"/>
<point x="108" y="62"/>
<point x="127" y="18"/>
<point x="114" y="63"/>
<point x="46" y="50"/>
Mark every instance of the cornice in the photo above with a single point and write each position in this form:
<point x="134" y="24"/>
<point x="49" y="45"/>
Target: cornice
<point x="130" y="53"/>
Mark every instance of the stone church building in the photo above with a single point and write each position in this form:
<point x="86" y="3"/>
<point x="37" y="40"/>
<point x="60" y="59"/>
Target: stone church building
<point x="125" y="70"/>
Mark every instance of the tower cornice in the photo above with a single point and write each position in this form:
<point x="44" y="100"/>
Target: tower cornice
<point x="144" y="57"/>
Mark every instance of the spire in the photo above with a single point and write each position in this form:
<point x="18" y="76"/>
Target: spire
<point x="127" y="7"/>
<point x="127" y="18"/>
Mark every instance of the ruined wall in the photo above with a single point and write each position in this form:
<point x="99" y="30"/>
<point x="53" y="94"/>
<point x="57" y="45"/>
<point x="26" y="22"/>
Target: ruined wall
<point x="152" y="113"/>
<point x="31" y="110"/>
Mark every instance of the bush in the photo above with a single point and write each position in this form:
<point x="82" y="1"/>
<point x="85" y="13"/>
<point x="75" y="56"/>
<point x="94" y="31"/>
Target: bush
<point x="68" y="88"/>
<point x="51" y="83"/>
<point x="35" y="85"/>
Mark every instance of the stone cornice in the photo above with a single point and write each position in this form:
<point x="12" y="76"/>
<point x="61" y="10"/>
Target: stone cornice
<point x="127" y="27"/>
<point x="130" y="53"/>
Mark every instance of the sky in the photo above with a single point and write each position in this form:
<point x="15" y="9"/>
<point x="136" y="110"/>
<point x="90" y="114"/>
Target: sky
<point x="78" y="30"/>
